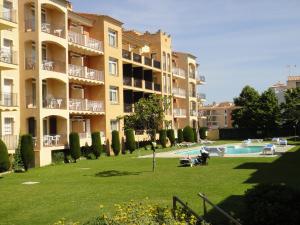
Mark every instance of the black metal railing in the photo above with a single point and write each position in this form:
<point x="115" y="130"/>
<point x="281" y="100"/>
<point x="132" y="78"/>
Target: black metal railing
<point x="127" y="81"/>
<point x="128" y="108"/>
<point x="149" y="85"/>
<point x="157" y="87"/>
<point x="8" y="14"/>
<point x="8" y="56"/>
<point x="147" y="61"/>
<point x="54" y="65"/>
<point x="126" y="54"/>
<point x="138" y="83"/>
<point x="156" y="64"/>
<point x="8" y="99"/>
<point x="137" y="58"/>
<point x="185" y="208"/>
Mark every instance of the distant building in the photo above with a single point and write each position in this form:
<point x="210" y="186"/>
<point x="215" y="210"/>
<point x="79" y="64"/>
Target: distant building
<point x="216" y="115"/>
<point x="293" y="82"/>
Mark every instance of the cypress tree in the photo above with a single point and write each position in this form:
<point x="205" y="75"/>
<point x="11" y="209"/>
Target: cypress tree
<point x="74" y="146"/>
<point x="27" y="153"/>
<point x="96" y="144"/>
<point x="4" y="159"/>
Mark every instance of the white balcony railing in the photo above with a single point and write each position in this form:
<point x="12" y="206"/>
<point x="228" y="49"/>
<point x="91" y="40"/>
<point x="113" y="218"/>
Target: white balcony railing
<point x="85" y="73"/>
<point x="179" y="91"/>
<point x="85" y="41"/>
<point x="179" y="112"/>
<point x="86" y="105"/>
<point x="179" y="72"/>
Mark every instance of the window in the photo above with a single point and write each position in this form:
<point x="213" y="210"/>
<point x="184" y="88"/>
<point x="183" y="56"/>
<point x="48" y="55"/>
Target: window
<point x="8" y="126"/>
<point x="169" y="62"/>
<point x="112" y="38"/>
<point x="114" y="125"/>
<point x="114" y="94"/>
<point x="169" y="84"/>
<point x="165" y="83"/>
<point x="164" y="61"/>
<point x="113" y="66"/>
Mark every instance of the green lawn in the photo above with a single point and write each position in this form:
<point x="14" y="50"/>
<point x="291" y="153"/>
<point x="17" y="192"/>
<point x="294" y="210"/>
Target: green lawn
<point x="73" y="192"/>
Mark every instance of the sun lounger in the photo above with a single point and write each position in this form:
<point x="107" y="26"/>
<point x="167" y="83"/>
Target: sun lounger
<point x="206" y="141"/>
<point x="185" y="144"/>
<point x="269" y="148"/>
<point x="282" y="142"/>
<point x="247" y="142"/>
<point x="275" y="140"/>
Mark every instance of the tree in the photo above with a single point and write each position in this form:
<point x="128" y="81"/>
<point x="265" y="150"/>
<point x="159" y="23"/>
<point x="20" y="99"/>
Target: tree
<point x="27" y="153"/>
<point x="245" y="116"/>
<point x="180" y="135"/>
<point x="163" y="138"/>
<point x="115" y="142"/>
<point x="291" y="108"/>
<point x="96" y="144"/>
<point x="188" y="134"/>
<point x="4" y="158"/>
<point x="74" y="146"/>
<point x="195" y="135"/>
<point x="18" y="165"/>
<point x="130" y="140"/>
<point x="171" y="136"/>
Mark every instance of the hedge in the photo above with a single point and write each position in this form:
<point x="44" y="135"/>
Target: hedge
<point x="74" y="146"/>
<point x="4" y="159"/>
<point x="130" y="140"/>
<point x="27" y="153"/>
<point x="115" y="142"/>
<point x="96" y="144"/>
<point x="188" y="134"/>
<point x="202" y="132"/>
<point x="171" y="136"/>
<point x="180" y="135"/>
<point x="163" y="138"/>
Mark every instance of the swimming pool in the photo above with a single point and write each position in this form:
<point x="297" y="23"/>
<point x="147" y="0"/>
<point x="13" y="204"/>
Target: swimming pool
<point x="230" y="150"/>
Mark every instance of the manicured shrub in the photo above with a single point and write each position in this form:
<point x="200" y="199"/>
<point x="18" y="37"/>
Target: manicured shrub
<point x="18" y="165"/>
<point x="130" y="140"/>
<point x="27" y="153"/>
<point x="195" y="135"/>
<point x="188" y="134"/>
<point x="58" y="157"/>
<point x="163" y="138"/>
<point x="115" y="142"/>
<point x="4" y="159"/>
<point x="171" y="136"/>
<point x="97" y="147"/>
<point x="202" y="132"/>
<point x="91" y="156"/>
<point x="272" y="204"/>
<point x="180" y="135"/>
<point x="74" y="146"/>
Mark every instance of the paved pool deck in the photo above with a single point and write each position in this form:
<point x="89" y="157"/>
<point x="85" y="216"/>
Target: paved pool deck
<point x="174" y="154"/>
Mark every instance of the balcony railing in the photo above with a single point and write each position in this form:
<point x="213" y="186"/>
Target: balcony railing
<point x="8" y="56"/>
<point x="56" y="30"/>
<point x="128" y="108"/>
<point x="193" y="113"/>
<point x="179" y="112"/>
<point x="54" y="140"/>
<point x="86" y="105"/>
<point x="126" y="54"/>
<point x="179" y="91"/>
<point x="201" y="78"/>
<point x="54" y="65"/>
<point x="8" y="99"/>
<point x="30" y="63"/>
<point x="148" y="85"/>
<point x="193" y="94"/>
<point x="192" y="74"/>
<point x="137" y="58"/>
<point x="157" y="64"/>
<point x="30" y="25"/>
<point x="201" y="96"/>
<point x="85" y="41"/>
<point x="54" y="103"/>
<point x="85" y="73"/>
<point x="157" y="87"/>
<point x="147" y="61"/>
<point x="179" y="72"/>
<point x="138" y="83"/>
<point x="11" y="141"/>
<point x="127" y="81"/>
<point x="84" y="135"/>
<point x="8" y="14"/>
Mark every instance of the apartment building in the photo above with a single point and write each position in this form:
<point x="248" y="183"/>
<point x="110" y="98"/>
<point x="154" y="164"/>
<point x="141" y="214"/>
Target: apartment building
<point x="80" y="72"/>
<point x="217" y="115"/>
<point x="9" y="69"/>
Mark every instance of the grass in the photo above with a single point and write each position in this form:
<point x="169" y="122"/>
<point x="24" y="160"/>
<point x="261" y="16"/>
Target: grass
<point x="74" y="192"/>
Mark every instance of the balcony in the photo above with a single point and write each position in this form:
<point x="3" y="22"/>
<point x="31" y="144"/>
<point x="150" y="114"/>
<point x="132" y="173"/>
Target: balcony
<point x="54" y="65"/>
<point x="201" y="96"/>
<point x="193" y="94"/>
<point x="8" y="18"/>
<point x="56" y="30"/>
<point x="54" y="140"/>
<point x="148" y="85"/>
<point x="84" y="72"/>
<point x="193" y="112"/>
<point x="179" y="92"/>
<point x="140" y="59"/>
<point x="128" y="108"/>
<point x="138" y="83"/>
<point x="30" y="102"/>
<point x="137" y="58"/>
<point x="11" y="141"/>
<point x="83" y="41"/>
<point x="147" y="61"/>
<point x="178" y="72"/>
<point x="86" y="105"/>
<point x="178" y="112"/>
<point x="54" y="103"/>
<point x="192" y="75"/>
<point x="200" y="79"/>
<point x="8" y="59"/>
<point x="8" y="99"/>
<point x="157" y="87"/>
<point x="127" y="81"/>
<point x="126" y="54"/>
<point x="156" y="64"/>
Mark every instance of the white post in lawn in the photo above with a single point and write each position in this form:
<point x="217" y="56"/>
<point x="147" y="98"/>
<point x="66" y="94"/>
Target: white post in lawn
<point x="153" y="159"/>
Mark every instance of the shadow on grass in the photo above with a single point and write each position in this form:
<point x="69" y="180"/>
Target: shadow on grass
<point x="115" y="173"/>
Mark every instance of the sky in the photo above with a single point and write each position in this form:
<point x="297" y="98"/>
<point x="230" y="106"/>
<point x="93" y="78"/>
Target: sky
<point x="237" y="42"/>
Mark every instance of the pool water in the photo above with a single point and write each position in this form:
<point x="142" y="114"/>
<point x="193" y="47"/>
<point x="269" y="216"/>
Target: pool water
<point x="235" y="149"/>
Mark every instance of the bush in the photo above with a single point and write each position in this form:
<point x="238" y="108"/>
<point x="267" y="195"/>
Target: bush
<point x="86" y="150"/>
<point x="180" y="135"/>
<point x="58" y="157"/>
<point x="91" y="156"/>
<point x="163" y="138"/>
<point x="195" y="135"/>
<point x="171" y="136"/>
<point x="202" y="132"/>
<point x="18" y="165"/>
<point x="4" y="159"/>
<point x="27" y="153"/>
<point x="115" y="142"/>
<point x="188" y="134"/>
<point x="272" y="204"/>
<point x="97" y="147"/>
<point x="130" y="140"/>
<point x="74" y="146"/>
